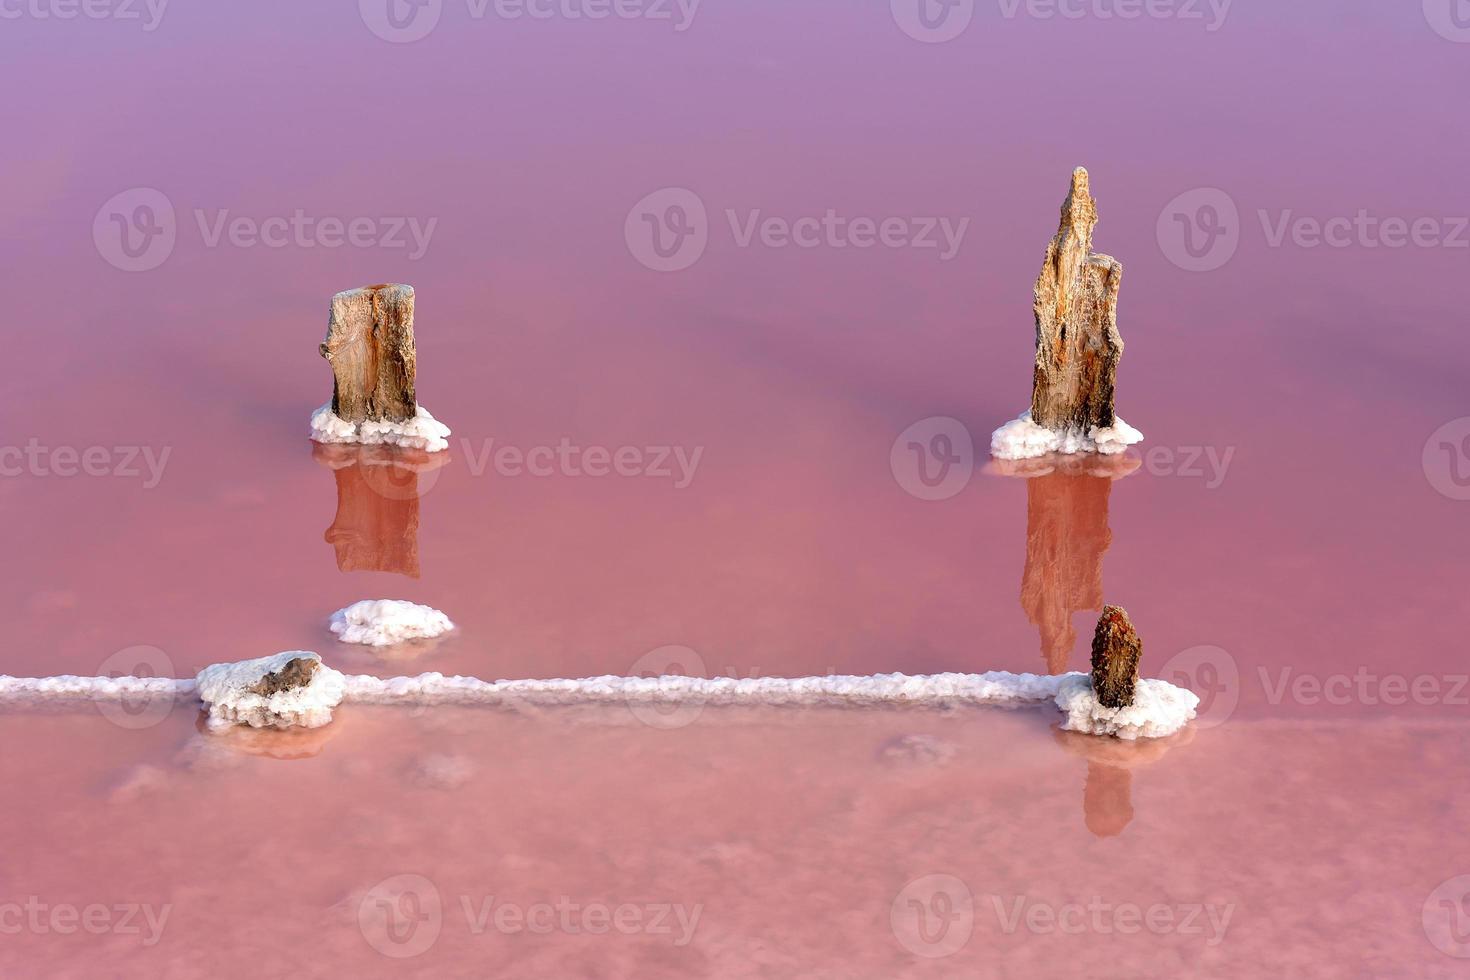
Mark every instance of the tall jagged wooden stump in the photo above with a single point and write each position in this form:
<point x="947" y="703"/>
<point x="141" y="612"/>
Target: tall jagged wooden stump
<point x="370" y="346"/>
<point x="1077" y="341"/>
<point x="1116" y="649"/>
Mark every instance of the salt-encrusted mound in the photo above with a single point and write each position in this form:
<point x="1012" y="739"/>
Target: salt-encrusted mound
<point x="289" y="690"/>
<point x="384" y="622"/>
<point x="1023" y="439"/>
<point x="1159" y="709"/>
<point x="421" y="432"/>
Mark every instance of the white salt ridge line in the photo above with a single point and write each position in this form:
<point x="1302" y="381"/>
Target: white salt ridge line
<point x="995" y="687"/>
<point x="71" y="687"/>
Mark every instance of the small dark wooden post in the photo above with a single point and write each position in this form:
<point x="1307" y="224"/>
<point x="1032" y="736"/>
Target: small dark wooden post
<point x="1116" y="649"/>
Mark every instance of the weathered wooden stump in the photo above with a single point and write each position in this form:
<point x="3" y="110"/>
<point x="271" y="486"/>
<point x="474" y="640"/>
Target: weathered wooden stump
<point x="1116" y="649"/>
<point x="370" y="346"/>
<point x="1077" y="341"/>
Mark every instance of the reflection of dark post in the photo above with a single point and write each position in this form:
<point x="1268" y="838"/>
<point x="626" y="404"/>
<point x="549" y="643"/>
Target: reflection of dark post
<point x="1107" y="796"/>
<point x="377" y="524"/>
<point x="1107" y="799"/>
<point x="1066" y="536"/>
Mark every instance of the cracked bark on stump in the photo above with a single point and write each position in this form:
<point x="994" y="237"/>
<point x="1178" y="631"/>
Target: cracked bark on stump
<point x="1077" y="341"/>
<point x="1116" y="649"/>
<point x="370" y="346"/>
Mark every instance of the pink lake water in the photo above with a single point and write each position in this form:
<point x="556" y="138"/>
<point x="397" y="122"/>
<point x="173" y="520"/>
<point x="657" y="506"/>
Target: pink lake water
<point x="1290" y="539"/>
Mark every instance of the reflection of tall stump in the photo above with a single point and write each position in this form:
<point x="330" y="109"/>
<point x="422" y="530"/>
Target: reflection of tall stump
<point x="1067" y="535"/>
<point x="377" y="524"/>
<point x="1077" y="341"/>
<point x="371" y="349"/>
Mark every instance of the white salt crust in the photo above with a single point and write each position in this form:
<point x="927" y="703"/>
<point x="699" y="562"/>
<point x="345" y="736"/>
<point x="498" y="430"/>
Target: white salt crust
<point x="1159" y="709"/>
<point x="1023" y="439"/>
<point x="421" y="432"/>
<point x="225" y="690"/>
<point x="384" y="622"/>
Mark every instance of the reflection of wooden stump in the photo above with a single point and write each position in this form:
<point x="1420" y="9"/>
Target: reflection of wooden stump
<point x="378" y="488"/>
<point x="1066" y="536"/>
<point x="1077" y="341"/>
<point x="1107" y="796"/>
<point x="370" y="346"/>
<point x="1107" y="800"/>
